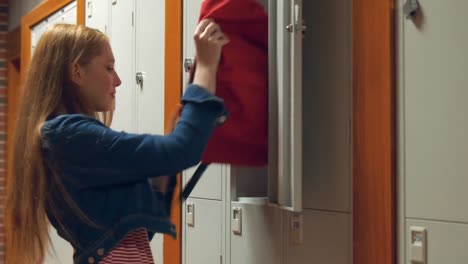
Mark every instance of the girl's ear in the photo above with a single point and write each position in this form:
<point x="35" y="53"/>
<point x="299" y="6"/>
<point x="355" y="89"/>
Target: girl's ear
<point x="76" y="74"/>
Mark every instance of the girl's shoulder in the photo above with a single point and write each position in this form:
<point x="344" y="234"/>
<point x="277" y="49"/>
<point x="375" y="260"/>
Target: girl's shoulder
<point x="69" y="125"/>
<point x="62" y="122"/>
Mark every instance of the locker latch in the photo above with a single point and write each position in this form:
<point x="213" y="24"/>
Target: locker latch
<point x="299" y="23"/>
<point x="296" y="229"/>
<point x="236" y="222"/>
<point x="140" y="76"/>
<point x="189" y="216"/>
<point x="410" y="8"/>
<point x="188" y="64"/>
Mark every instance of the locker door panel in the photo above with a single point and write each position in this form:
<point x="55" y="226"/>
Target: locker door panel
<point x="191" y="15"/>
<point x="260" y="238"/>
<point x="434" y="97"/>
<point x="285" y="103"/>
<point x="62" y="250"/>
<point x="446" y="242"/>
<point x="71" y="13"/>
<point x="122" y="36"/>
<point x="203" y="240"/>
<point x="327" y="105"/>
<point x="36" y="33"/>
<point x="67" y="15"/>
<point x="97" y="15"/>
<point x="150" y="19"/>
<point x="210" y="184"/>
<point x="326" y="239"/>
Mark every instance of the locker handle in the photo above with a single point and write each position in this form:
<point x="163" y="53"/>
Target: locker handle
<point x="236" y="222"/>
<point x="190" y="215"/>
<point x="140" y="76"/>
<point x="188" y="64"/>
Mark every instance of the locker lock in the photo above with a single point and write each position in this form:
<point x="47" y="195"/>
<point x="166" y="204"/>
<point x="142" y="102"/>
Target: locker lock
<point x="188" y="64"/>
<point x="139" y="78"/>
<point x="291" y="28"/>
<point x="236" y="221"/>
<point x="410" y="8"/>
<point x="189" y="216"/>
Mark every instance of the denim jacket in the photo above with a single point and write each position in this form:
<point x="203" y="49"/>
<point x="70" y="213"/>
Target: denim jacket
<point x="107" y="173"/>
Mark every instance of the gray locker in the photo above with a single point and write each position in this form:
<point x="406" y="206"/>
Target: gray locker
<point x="258" y="236"/>
<point x="122" y="37"/>
<point x="434" y="106"/>
<point x="191" y="14"/>
<point x="60" y="251"/>
<point x="97" y="15"/>
<point x="203" y="231"/>
<point x="327" y="87"/>
<point x="313" y="137"/>
<point x="326" y="239"/>
<point x="65" y="15"/>
<point x="446" y="242"/>
<point x="210" y="185"/>
<point x="150" y="25"/>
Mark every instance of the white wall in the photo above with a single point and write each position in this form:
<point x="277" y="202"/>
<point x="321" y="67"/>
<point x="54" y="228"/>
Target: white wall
<point x="19" y="8"/>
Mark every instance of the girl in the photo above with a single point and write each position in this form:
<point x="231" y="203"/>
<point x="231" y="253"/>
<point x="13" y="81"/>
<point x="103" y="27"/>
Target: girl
<point x="88" y="181"/>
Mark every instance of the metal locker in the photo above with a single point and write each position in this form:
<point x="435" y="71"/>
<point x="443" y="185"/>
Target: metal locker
<point x="67" y="15"/>
<point x="326" y="239"/>
<point x="122" y="38"/>
<point x="97" y="15"/>
<point x="446" y="242"/>
<point x="149" y="22"/>
<point x="285" y="104"/>
<point x="433" y="108"/>
<point x="327" y="87"/>
<point x="62" y="250"/>
<point x="432" y="128"/>
<point x="190" y="23"/>
<point x="36" y="33"/>
<point x="69" y="12"/>
<point x="210" y="185"/>
<point x="203" y="231"/>
<point x="256" y="232"/>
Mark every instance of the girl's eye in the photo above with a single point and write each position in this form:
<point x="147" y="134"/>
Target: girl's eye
<point x="110" y="68"/>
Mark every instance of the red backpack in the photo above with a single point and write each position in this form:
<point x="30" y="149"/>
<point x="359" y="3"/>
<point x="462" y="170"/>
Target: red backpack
<point x="242" y="81"/>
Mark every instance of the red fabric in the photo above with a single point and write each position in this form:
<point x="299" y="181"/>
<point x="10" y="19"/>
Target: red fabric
<point x="133" y="249"/>
<point x="242" y="82"/>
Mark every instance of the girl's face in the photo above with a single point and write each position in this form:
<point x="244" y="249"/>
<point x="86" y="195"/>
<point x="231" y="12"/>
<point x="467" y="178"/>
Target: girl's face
<point x="97" y="81"/>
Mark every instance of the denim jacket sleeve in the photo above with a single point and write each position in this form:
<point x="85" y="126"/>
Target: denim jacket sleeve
<point x="97" y="155"/>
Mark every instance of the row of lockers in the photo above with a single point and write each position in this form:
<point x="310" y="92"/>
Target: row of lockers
<point x="227" y="218"/>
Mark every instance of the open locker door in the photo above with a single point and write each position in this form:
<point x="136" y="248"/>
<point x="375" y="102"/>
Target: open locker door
<point x="285" y="104"/>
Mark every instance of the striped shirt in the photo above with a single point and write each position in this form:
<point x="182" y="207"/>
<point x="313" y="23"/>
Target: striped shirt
<point x="133" y="249"/>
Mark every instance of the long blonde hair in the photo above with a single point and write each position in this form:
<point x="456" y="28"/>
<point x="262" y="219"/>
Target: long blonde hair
<point x="46" y="93"/>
